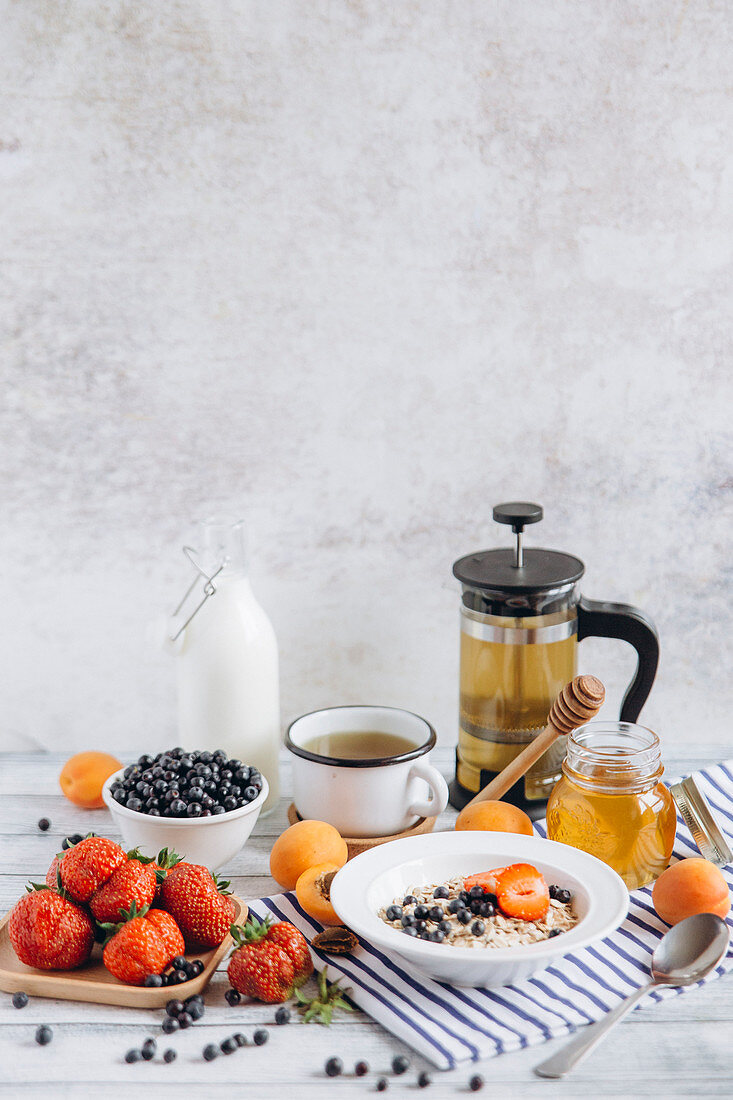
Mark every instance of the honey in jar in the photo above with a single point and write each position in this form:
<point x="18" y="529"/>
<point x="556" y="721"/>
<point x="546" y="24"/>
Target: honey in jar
<point x="611" y="802"/>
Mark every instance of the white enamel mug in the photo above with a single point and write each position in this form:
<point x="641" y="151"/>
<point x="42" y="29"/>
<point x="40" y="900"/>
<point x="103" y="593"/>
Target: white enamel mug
<point x="364" y="798"/>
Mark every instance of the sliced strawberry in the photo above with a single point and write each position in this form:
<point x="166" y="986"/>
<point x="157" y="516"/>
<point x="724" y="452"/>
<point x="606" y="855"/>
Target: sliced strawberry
<point x="522" y="892"/>
<point x="485" y="879"/>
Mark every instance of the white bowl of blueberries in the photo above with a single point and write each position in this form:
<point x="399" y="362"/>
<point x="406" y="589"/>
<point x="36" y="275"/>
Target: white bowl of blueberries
<point x="200" y="804"/>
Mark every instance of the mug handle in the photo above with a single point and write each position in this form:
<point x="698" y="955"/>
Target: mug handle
<point x="438" y="800"/>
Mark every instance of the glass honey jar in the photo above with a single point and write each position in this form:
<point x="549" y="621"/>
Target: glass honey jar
<point x="611" y="802"/>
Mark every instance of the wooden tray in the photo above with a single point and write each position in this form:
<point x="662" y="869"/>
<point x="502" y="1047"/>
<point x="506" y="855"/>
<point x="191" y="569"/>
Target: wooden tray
<point x="93" y="982"/>
<point x="358" y="844"/>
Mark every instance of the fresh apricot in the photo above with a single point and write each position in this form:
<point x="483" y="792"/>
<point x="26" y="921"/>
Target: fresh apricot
<point x="313" y="889"/>
<point x="83" y="776"/>
<point x="691" y="886"/>
<point x="303" y="845"/>
<point x="494" y="817"/>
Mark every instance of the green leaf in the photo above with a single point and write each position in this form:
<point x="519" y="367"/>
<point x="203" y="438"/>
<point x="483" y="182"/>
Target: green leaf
<point x="321" y="1008"/>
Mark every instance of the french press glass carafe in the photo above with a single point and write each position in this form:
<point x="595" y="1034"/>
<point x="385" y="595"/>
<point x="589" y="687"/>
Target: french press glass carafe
<point x="522" y="617"/>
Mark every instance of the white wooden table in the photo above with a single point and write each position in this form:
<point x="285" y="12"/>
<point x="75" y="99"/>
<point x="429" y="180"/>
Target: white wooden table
<point x="684" y="1046"/>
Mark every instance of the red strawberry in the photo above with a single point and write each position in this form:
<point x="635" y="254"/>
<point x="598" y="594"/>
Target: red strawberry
<point x="263" y="971"/>
<point x="270" y="961"/>
<point x="522" y="892"/>
<point x="142" y="946"/>
<point x="52" y="874"/>
<point x="199" y="905"/>
<point x="295" y="945"/>
<point x="50" y="932"/>
<point x="131" y="883"/>
<point x="163" y="864"/>
<point x="485" y="879"/>
<point x="88" y="865"/>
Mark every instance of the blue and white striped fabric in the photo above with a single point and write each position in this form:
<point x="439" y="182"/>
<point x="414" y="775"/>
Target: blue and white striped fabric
<point x="448" y="1025"/>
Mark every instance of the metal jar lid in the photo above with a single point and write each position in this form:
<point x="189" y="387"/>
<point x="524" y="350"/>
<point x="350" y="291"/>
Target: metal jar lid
<point x="698" y="818"/>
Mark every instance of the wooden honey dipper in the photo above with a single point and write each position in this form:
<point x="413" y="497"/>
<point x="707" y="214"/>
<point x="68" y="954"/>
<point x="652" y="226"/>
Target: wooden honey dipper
<point x="577" y="703"/>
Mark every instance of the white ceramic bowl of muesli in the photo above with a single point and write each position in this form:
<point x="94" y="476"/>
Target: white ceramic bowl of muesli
<point x="368" y="884"/>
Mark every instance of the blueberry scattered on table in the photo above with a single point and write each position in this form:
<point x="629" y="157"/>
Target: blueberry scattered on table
<point x="382" y="1084"/>
<point x="228" y="1046"/>
<point x="44" y="1035"/>
<point x="169" y="1055"/>
<point x="232" y="997"/>
<point x="476" y="1082"/>
<point x="20" y="1000"/>
<point x="133" y="1056"/>
<point x="400" y="1064"/>
<point x="170" y="1024"/>
<point x="44" y="824"/>
<point x="196" y="1010"/>
<point x="239" y="1039"/>
<point x="424" y="1079"/>
<point x="361" y="1069"/>
<point x="260" y="1036"/>
<point x="185" y="1019"/>
<point x="210" y="1052"/>
<point x="282" y="1016"/>
<point x="334" y="1067"/>
<point x="149" y="1048"/>
<point x="174" y="1008"/>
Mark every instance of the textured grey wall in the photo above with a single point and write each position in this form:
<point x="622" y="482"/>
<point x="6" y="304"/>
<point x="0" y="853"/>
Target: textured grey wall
<point x="359" y="270"/>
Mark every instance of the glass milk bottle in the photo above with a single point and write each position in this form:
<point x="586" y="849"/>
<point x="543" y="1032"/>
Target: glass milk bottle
<point x="228" y="687"/>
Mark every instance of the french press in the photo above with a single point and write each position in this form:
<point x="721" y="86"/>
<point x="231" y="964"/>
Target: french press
<point x="522" y="617"/>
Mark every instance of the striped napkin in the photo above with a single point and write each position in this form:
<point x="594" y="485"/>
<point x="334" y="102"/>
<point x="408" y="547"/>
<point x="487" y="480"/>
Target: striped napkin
<point x="448" y="1025"/>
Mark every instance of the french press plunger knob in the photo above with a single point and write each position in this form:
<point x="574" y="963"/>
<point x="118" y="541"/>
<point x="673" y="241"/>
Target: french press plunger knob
<point x="518" y="513"/>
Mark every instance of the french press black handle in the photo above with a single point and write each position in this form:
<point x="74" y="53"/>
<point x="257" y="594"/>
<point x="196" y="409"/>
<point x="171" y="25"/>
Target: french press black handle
<point x="597" y="619"/>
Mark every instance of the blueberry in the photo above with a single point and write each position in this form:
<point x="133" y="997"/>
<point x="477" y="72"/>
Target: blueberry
<point x="235" y="791"/>
<point x="133" y="1056"/>
<point x="239" y="1039"/>
<point x="44" y="1035"/>
<point x="181" y="976"/>
<point x="334" y="1067"/>
<point x="410" y="930"/>
<point x="478" y="928"/>
<point x="169" y="1055"/>
<point x="475" y="906"/>
<point x="210" y="1052"/>
<point x="180" y="962"/>
<point x="220" y="757"/>
<point x="20" y="1000"/>
<point x="153" y="981"/>
<point x="394" y="912"/>
<point x="409" y="900"/>
<point x="235" y="765"/>
<point x="487" y="909"/>
<point x="134" y="803"/>
<point x="44" y="824"/>
<point x="148" y="1049"/>
<point x="421" y="912"/>
<point x="361" y="1069"/>
<point x="441" y="892"/>
<point x="145" y="761"/>
<point x="445" y="927"/>
<point x="553" y="890"/>
<point x="217" y="810"/>
<point x="194" y="809"/>
<point x="260" y="1037"/>
<point x="195" y="794"/>
<point x="185" y="1019"/>
<point x="174" y="1008"/>
<point x="197" y="967"/>
<point x="437" y="936"/>
<point x="228" y="1046"/>
<point x="476" y="892"/>
<point x="232" y="997"/>
<point x="177" y="808"/>
<point x="425" y="935"/>
<point x="195" y="998"/>
<point x="406" y="920"/>
<point x="230" y="803"/>
<point x="454" y="905"/>
<point x="382" y="1084"/>
<point x="250" y="793"/>
<point x="476" y="1082"/>
<point x="424" y="1079"/>
<point x="170" y="1024"/>
<point x="464" y="896"/>
<point x="206" y="757"/>
<point x="463" y="916"/>
<point x="421" y="925"/>
<point x="564" y="896"/>
<point x="196" y="1010"/>
<point x="282" y="1016"/>
<point x="435" y="914"/>
<point x="554" y="932"/>
<point x="400" y="1064"/>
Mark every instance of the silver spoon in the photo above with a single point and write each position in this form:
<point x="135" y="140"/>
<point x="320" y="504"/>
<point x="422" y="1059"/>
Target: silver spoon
<point x="683" y="956"/>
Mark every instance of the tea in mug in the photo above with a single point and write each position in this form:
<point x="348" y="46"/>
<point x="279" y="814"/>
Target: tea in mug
<point x="359" y="745"/>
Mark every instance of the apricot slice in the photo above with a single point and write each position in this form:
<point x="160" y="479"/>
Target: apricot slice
<point x="313" y="889"/>
<point x="83" y="776"/>
<point x="305" y="844"/>
<point x="494" y="817"/>
<point x="691" y="886"/>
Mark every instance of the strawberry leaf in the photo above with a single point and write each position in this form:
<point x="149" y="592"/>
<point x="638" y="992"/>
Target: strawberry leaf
<point x="320" y="1008"/>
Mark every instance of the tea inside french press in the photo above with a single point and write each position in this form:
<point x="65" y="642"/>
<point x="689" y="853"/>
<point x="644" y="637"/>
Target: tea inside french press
<point x="522" y="617"/>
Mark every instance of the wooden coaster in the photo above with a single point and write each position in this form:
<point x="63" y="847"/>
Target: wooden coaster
<point x="93" y="982"/>
<point x="359" y="844"/>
